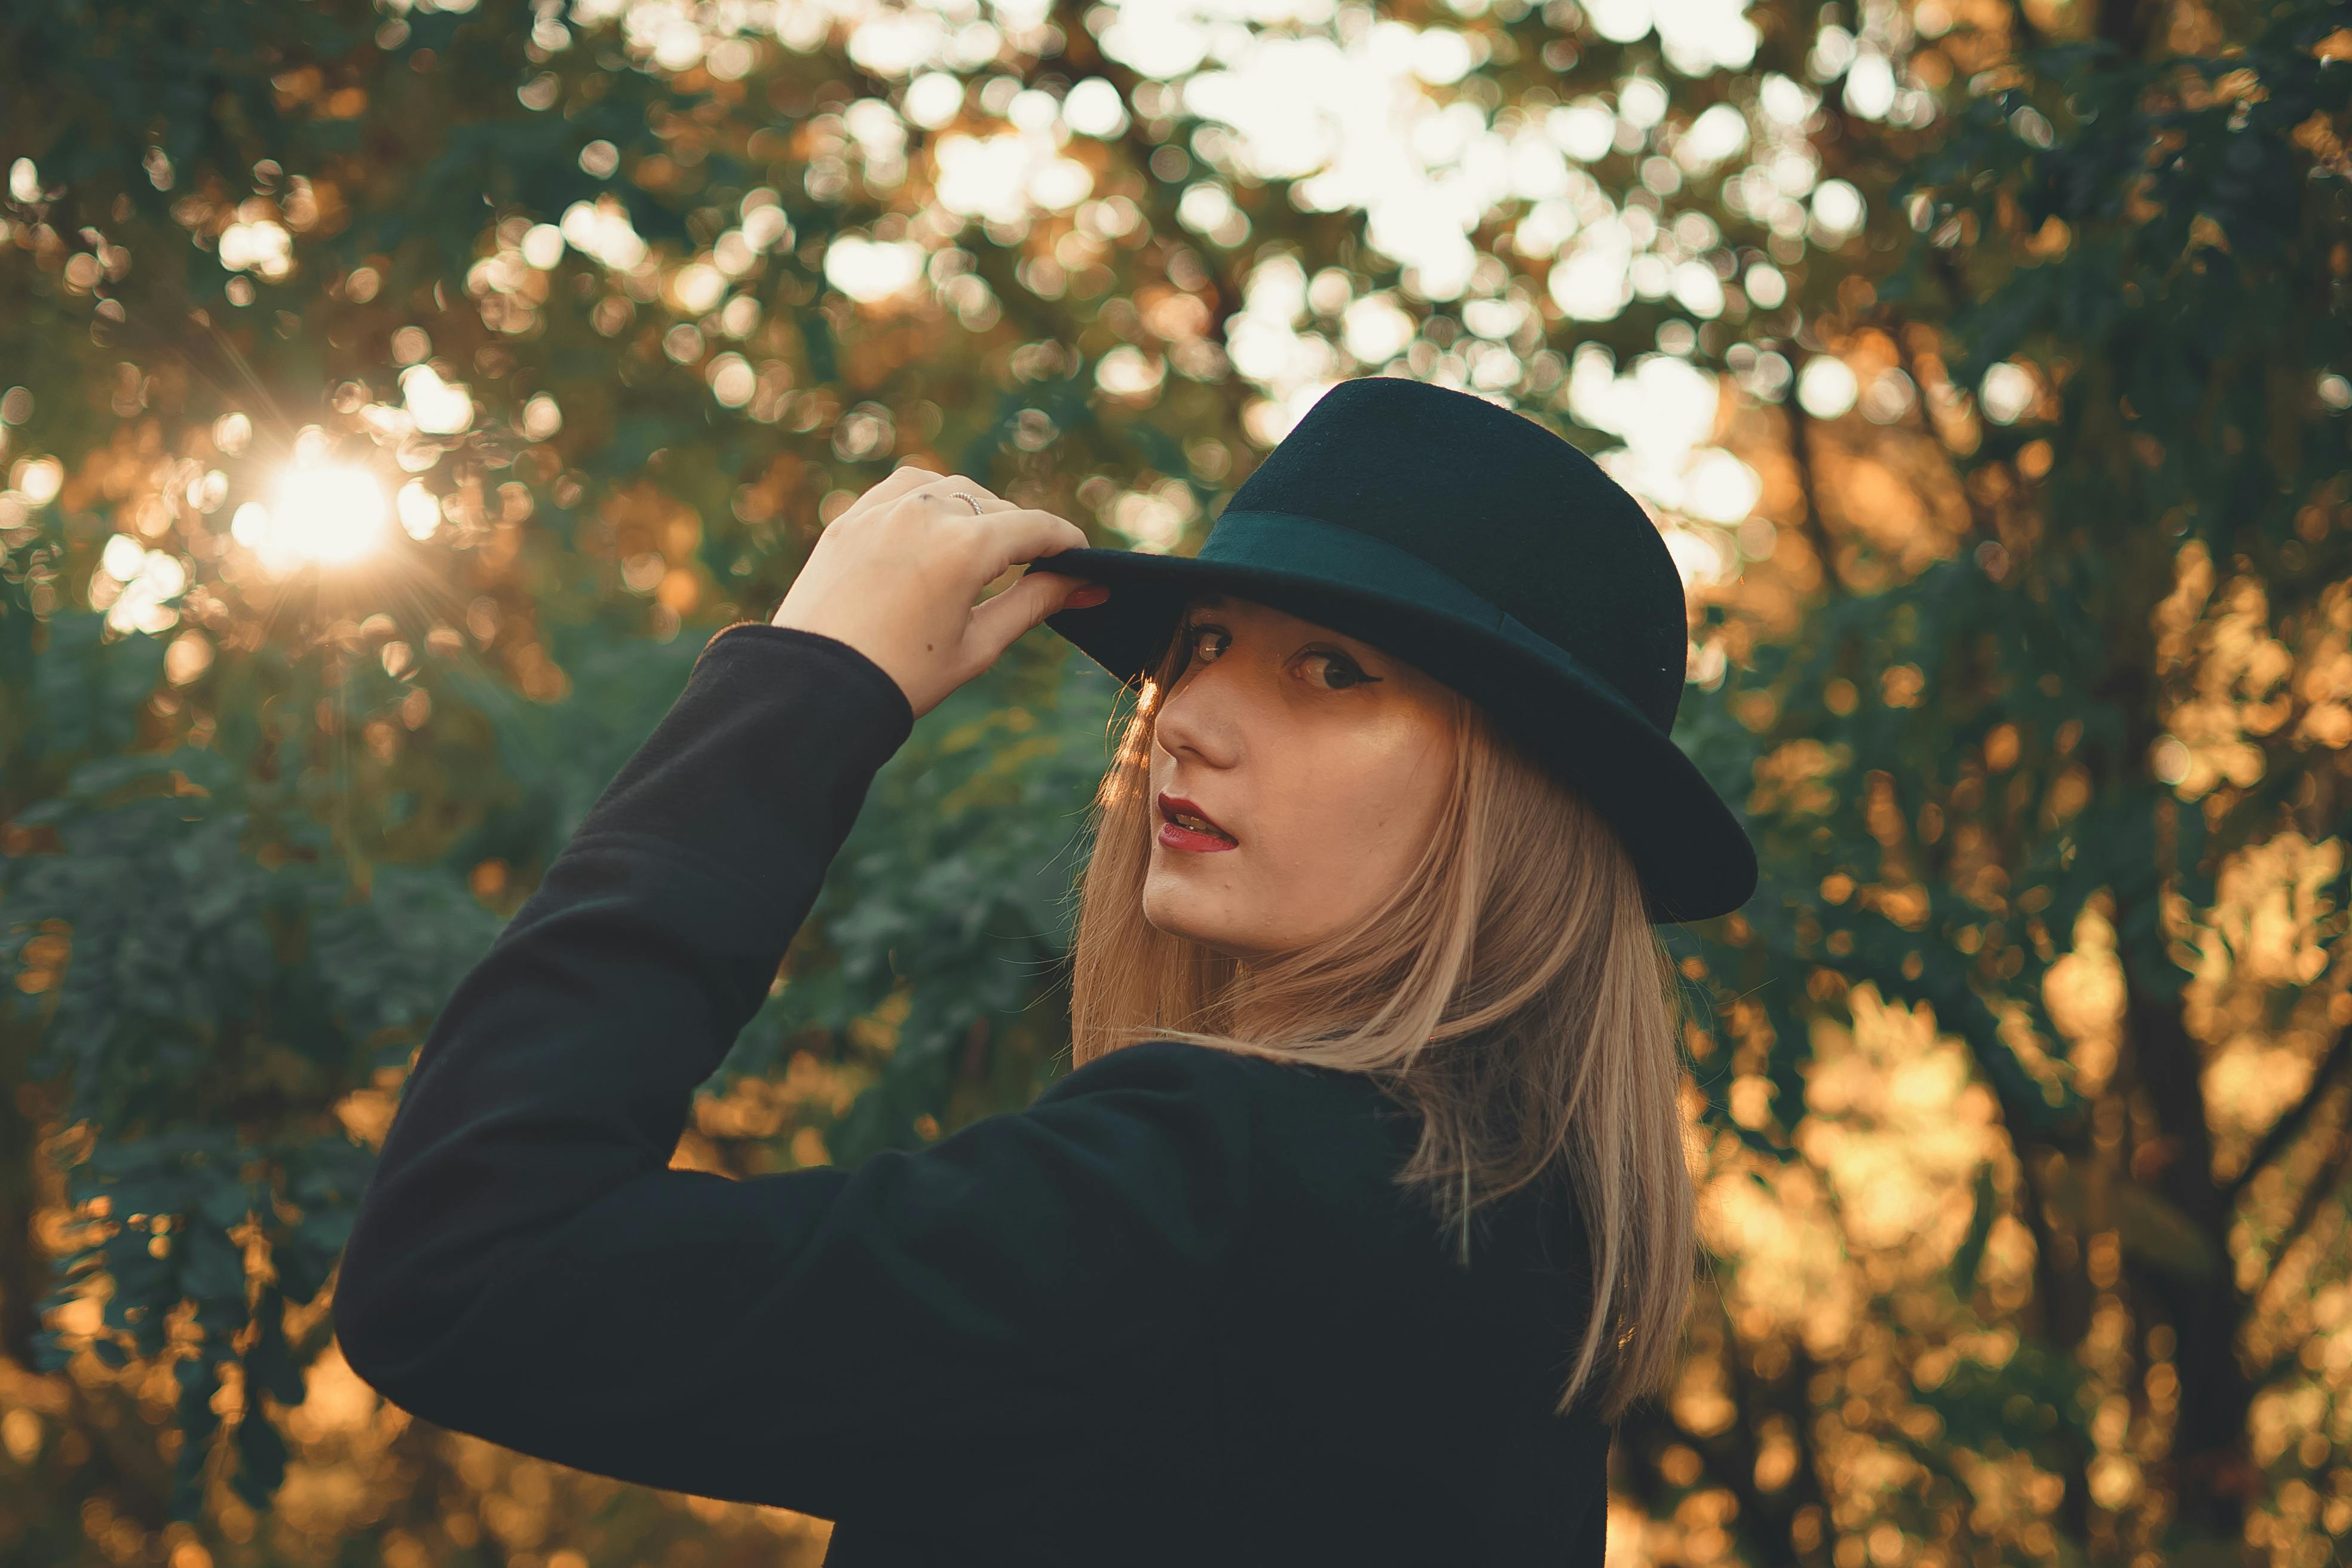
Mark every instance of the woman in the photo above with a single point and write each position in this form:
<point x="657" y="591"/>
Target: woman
<point x="1365" y="1210"/>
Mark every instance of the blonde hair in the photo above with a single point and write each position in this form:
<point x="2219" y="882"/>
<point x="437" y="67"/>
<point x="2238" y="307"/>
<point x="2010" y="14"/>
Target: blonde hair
<point x="1511" y="988"/>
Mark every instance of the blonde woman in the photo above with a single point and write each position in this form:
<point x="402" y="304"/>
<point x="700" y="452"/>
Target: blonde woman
<point x="1364" y="1212"/>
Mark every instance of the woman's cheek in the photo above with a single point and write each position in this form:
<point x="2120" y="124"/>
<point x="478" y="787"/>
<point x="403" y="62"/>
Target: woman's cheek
<point x="1310" y="861"/>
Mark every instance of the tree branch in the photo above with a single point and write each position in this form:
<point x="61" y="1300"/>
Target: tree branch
<point x="2326" y="1184"/>
<point x="2024" y="35"/>
<point x="2123" y="23"/>
<point x="2290" y="1126"/>
<point x="1816" y="527"/>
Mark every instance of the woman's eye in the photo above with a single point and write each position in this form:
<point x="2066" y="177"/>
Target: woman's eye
<point x="1193" y="635"/>
<point x="1340" y="669"/>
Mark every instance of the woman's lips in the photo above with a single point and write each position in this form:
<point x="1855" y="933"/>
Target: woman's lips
<point x="1179" y="837"/>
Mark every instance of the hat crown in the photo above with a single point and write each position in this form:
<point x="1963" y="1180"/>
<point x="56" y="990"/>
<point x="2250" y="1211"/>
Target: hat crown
<point x="1505" y="508"/>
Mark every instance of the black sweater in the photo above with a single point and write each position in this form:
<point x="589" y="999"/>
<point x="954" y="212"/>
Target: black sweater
<point x="1176" y="1312"/>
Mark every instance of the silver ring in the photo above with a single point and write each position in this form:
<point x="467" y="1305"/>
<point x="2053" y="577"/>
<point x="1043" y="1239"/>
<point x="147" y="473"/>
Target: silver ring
<point x="968" y="496"/>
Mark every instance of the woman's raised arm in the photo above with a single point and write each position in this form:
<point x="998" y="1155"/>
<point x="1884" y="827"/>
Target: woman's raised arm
<point x="527" y="1267"/>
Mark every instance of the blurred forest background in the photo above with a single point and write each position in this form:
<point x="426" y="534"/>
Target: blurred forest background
<point x="394" y="395"/>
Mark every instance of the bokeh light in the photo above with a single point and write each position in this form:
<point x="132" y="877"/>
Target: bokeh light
<point x="324" y="513"/>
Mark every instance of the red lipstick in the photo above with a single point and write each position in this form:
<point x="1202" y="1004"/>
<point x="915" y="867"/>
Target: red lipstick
<point x="1189" y="834"/>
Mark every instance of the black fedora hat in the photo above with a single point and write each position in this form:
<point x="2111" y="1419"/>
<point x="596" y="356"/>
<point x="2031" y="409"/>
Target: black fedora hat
<point x="1479" y="547"/>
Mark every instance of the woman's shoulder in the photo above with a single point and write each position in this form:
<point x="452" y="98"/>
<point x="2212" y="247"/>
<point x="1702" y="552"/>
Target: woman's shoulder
<point x="1188" y="1056"/>
<point x="1322" y="1150"/>
<point x="1272" y="1085"/>
<point x="1316" y="1134"/>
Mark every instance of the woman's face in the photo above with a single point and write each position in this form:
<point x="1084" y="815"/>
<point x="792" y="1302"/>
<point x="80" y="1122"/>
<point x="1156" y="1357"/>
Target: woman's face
<point x="1324" y="761"/>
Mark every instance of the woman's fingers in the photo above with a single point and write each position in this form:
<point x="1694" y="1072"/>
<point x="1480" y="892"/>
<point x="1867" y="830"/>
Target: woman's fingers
<point x="999" y="622"/>
<point x="954" y="496"/>
<point x="902" y="483"/>
<point x="896" y="575"/>
<point x="1018" y="535"/>
<point x="1008" y="538"/>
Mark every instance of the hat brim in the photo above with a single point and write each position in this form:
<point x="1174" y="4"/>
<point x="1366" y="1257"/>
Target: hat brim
<point x="1693" y="854"/>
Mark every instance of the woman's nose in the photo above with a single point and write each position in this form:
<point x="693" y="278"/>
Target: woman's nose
<point x="1200" y="717"/>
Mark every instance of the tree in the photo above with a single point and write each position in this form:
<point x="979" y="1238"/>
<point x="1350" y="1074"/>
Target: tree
<point x="2090" y="766"/>
<point x="401" y="397"/>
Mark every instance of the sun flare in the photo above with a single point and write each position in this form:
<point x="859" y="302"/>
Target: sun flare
<point x="324" y="513"/>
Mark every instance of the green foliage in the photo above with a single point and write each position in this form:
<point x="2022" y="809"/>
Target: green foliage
<point x="254" y="828"/>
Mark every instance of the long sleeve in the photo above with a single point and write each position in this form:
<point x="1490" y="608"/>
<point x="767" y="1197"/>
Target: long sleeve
<point x="526" y="1267"/>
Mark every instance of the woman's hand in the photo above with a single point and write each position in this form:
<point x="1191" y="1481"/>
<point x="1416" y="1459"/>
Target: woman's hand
<point x="895" y="577"/>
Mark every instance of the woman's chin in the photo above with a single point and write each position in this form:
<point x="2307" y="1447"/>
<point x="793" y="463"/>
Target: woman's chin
<point x="1170" y="911"/>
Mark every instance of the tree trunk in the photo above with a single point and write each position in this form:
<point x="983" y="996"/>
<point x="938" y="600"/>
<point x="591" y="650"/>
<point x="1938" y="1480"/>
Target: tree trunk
<point x="2214" y="1474"/>
<point x="24" y="1265"/>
